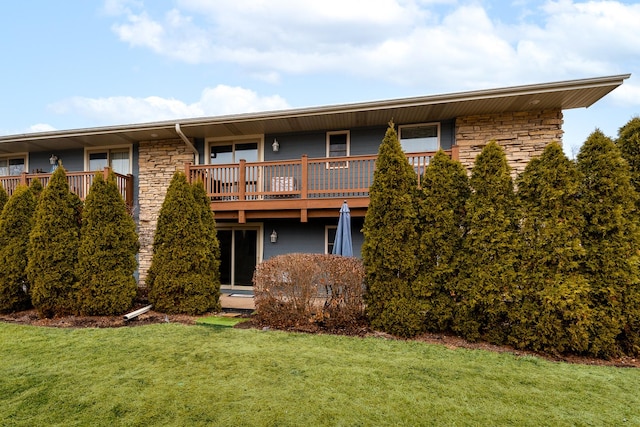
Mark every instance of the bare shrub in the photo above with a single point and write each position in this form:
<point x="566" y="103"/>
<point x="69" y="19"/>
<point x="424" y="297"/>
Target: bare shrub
<point x="310" y="291"/>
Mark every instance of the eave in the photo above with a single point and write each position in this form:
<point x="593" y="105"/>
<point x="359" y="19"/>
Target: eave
<point x="563" y="95"/>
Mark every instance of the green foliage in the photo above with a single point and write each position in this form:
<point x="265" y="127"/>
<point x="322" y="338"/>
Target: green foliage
<point x="53" y="248"/>
<point x="211" y="237"/>
<point x="107" y="253"/>
<point x="16" y="222"/>
<point x="390" y="237"/>
<point x="36" y="188"/>
<point x="629" y="144"/>
<point x="4" y="197"/>
<point x="611" y="240"/>
<point x="484" y="290"/>
<point x="441" y="212"/>
<point x="551" y="312"/>
<point x="181" y="279"/>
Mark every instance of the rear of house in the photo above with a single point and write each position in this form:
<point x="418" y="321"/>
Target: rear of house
<point x="277" y="179"/>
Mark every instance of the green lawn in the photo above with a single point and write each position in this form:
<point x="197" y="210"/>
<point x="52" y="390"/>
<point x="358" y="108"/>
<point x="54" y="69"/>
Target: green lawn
<point x="173" y="374"/>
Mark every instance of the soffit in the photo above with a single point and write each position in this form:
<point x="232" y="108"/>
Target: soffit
<point x="559" y="95"/>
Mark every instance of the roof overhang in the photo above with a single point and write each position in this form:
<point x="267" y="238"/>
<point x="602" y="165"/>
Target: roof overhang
<point x="563" y="95"/>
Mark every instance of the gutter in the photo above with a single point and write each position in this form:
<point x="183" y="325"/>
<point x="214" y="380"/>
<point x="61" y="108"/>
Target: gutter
<point x="196" y="155"/>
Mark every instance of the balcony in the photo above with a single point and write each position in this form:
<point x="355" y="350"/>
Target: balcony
<point x="301" y="188"/>
<point x="79" y="183"/>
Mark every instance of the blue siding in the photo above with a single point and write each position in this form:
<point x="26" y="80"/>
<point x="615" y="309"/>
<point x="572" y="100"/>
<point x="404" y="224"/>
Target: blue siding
<point x="297" y="237"/>
<point x="72" y="160"/>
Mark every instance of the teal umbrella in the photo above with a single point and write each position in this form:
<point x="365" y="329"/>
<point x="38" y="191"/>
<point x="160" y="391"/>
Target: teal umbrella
<point x="343" y="244"/>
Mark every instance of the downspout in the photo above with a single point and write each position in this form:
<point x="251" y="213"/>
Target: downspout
<point x="182" y="136"/>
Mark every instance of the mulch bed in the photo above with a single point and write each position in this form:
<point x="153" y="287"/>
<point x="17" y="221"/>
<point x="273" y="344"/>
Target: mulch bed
<point x="30" y="317"/>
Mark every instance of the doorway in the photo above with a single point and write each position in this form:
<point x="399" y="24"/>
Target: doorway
<point x="239" y="255"/>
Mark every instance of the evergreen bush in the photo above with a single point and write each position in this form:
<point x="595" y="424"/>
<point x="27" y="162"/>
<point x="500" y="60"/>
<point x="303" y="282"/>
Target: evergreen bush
<point x="53" y="248"/>
<point x="611" y="241"/>
<point x="441" y="212"/>
<point x="107" y="253"/>
<point x="391" y="241"/>
<point x="181" y="279"/>
<point x="36" y="188"/>
<point x="16" y="222"/>
<point x="4" y="197"/>
<point x="551" y="312"/>
<point x="484" y="290"/>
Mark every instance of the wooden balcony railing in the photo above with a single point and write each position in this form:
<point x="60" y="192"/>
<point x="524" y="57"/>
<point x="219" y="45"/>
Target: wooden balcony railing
<point x="335" y="177"/>
<point x="79" y="182"/>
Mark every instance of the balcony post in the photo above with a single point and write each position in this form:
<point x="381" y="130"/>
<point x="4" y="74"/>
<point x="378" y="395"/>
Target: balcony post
<point x="105" y="172"/>
<point x="187" y="171"/>
<point x="129" y="191"/>
<point x="242" y="177"/>
<point x="23" y="178"/>
<point x="305" y="177"/>
<point x="455" y="152"/>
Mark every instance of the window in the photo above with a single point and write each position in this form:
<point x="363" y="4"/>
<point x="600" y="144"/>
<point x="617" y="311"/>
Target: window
<point x="233" y="152"/>
<point x="118" y="159"/>
<point x="329" y="238"/>
<point x="420" y="138"/>
<point x="11" y="166"/>
<point x="338" y="146"/>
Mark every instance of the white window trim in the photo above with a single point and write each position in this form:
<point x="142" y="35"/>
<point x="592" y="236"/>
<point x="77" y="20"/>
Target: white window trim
<point x="437" y="124"/>
<point x="326" y="237"/>
<point x="328" y="147"/>
<point x="107" y="148"/>
<point x="22" y="155"/>
<point x="222" y="140"/>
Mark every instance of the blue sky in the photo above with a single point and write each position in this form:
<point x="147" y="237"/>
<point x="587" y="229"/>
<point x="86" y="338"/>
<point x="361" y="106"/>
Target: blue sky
<point x="77" y="63"/>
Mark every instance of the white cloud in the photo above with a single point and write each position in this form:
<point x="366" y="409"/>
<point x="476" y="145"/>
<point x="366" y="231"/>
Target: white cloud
<point x="441" y="43"/>
<point x="41" y="127"/>
<point x="215" y="101"/>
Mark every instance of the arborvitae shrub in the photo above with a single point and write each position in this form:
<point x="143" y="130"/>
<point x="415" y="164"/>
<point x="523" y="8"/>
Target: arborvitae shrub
<point x="487" y="274"/>
<point x="16" y="222"/>
<point x="107" y="254"/>
<point x="36" y="188"/>
<point x="180" y="278"/>
<point x="629" y="144"/>
<point x="391" y="241"/>
<point x="211" y="237"/>
<point x="53" y="248"/>
<point x="611" y="242"/>
<point x="551" y="311"/>
<point x="309" y="291"/>
<point x="4" y="197"/>
<point x="441" y="212"/>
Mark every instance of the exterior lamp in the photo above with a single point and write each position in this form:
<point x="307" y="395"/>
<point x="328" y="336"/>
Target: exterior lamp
<point x="274" y="236"/>
<point x="275" y="145"/>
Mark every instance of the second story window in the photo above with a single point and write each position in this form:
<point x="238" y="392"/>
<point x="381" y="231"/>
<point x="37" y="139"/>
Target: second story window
<point x="232" y="152"/>
<point x="11" y="166"/>
<point x="338" y="146"/>
<point x="420" y="138"/>
<point x="118" y="159"/>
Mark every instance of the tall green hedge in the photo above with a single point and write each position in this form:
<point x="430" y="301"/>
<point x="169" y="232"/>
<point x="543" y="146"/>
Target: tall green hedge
<point x="611" y="241"/>
<point x="4" y="197"/>
<point x="441" y="227"/>
<point x="181" y="277"/>
<point x="16" y="222"/>
<point x="552" y="310"/>
<point x="107" y="253"/>
<point x="484" y="289"/>
<point x="53" y="248"/>
<point x="36" y="188"/>
<point x="629" y="144"/>
<point x="391" y="242"/>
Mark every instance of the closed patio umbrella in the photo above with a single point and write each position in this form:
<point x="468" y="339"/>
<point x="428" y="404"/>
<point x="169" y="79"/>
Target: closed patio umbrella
<point x="343" y="244"/>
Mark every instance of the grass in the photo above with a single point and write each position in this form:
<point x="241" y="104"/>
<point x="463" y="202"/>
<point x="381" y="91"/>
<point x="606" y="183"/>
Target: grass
<point x="220" y="321"/>
<point x="173" y="374"/>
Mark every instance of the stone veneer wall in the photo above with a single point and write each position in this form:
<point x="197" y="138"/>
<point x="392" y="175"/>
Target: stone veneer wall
<point x="523" y="135"/>
<point x="159" y="160"/>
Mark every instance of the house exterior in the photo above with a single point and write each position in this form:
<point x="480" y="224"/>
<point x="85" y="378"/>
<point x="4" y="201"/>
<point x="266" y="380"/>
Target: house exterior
<point x="277" y="179"/>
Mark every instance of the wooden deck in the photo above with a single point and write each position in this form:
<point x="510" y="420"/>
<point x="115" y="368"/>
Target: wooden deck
<point x="79" y="182"/>
<point x="302" y="188"/>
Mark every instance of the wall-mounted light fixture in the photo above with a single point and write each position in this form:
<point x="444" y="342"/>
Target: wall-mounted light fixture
<point x="275" y="146"/>
<point x="53" y="160"/>
<point x="274" y="236"/>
